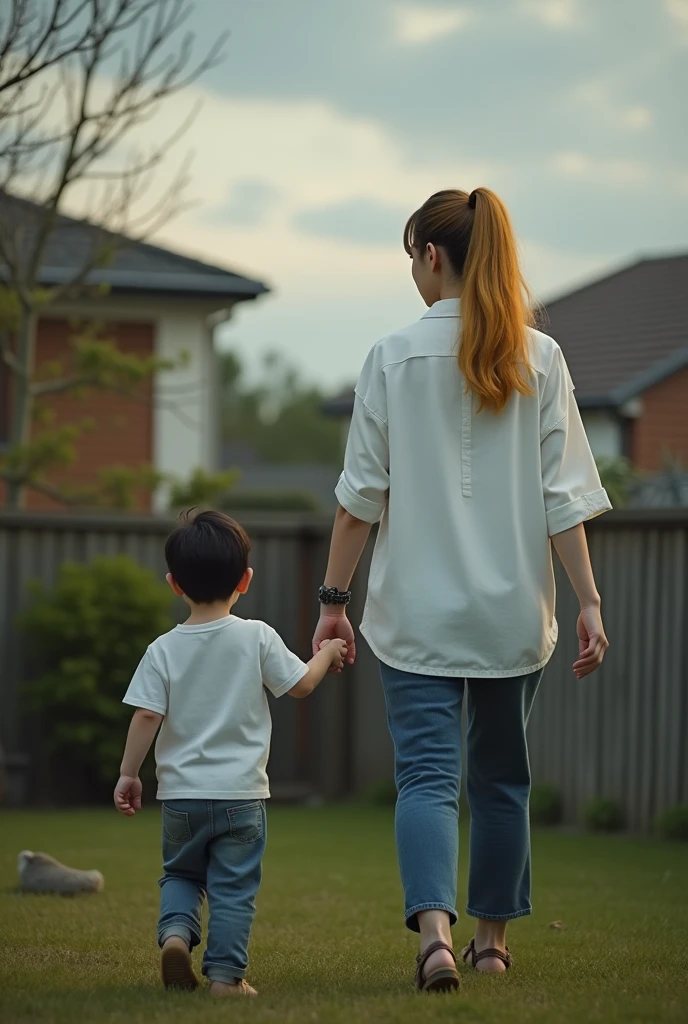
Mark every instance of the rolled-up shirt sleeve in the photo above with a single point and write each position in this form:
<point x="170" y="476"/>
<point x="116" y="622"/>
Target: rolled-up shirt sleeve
<point x="572" y="489"/>
<point x="364" y="485"/>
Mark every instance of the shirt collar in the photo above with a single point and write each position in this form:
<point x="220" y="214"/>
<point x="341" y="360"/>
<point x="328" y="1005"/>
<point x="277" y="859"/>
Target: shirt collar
<point x="443" y="309"/>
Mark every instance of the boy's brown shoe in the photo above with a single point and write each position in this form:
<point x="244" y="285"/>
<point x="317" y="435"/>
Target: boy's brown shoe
<point x="177" y="969"/>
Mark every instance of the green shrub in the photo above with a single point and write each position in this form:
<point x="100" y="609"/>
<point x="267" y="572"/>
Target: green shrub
<point x="89" y="633"/>
<point x="201" y="489"/>
<point x="673" y="824"/>
<point x="604" y="814"/>
<point x="619" y="477"/>
<point x="546" y="807"/>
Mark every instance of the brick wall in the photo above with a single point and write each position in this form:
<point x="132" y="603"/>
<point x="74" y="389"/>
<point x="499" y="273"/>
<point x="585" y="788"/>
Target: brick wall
<point x="123" y="425"/>
<point x="663" y="426"/>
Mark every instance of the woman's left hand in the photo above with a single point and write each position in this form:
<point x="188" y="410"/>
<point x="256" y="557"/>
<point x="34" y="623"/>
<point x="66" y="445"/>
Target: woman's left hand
<point x="335" y="626"/>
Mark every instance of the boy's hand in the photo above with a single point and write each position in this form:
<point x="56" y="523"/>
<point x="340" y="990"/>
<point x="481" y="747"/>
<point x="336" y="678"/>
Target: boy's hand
<point x="338" y="650"/>
<point x="128" y="795"/>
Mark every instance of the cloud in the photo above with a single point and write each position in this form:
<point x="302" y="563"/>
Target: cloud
<point x="638" y="117"/>
<point x="249" y="203"/>
<point x="279" y="160"/>
<point x="599" y="97"/>
<point x="361" y="220"/>
<point x="573" y="164"/>
<point x="556" y="14"/>
<point x="417" y="24"/>
<point x="678" y="10"/>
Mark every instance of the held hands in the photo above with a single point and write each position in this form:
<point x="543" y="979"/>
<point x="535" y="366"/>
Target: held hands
<point x="592" y="641"/>
<point x="128" y="795"/>
<point x="337" y="649"/>
<point x="334" y="625"/>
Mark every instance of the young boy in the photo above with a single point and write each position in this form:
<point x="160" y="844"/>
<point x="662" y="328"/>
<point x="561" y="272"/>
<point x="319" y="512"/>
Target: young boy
<point x="204" y="684"/>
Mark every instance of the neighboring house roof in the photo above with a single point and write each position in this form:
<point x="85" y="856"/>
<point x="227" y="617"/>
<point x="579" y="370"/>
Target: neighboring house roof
<point x="624" y="333"/>
<point x="315" y="479"/>
<point x="621" y="335"/>
<point x="135" y="267"/>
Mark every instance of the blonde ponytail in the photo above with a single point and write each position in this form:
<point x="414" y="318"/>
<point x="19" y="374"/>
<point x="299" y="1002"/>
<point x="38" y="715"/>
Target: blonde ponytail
<point x="477" y="235"/>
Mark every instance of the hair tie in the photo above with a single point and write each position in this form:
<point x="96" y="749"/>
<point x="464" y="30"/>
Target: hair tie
<point x="472" y="199"/>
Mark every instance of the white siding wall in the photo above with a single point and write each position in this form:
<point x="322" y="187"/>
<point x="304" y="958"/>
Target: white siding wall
<point x="185" y="425"/>
<point x="604" y="433"/>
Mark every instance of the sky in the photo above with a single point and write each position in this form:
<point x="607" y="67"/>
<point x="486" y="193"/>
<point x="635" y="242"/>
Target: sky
<point x="330" y="121"/>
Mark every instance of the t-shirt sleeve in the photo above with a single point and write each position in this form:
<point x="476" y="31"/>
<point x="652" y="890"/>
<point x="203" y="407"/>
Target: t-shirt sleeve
<point x="571" y="484"/>
<point x="147" y="688"/>
<point x="363" y="487"/>
<point x="280" y="668"/>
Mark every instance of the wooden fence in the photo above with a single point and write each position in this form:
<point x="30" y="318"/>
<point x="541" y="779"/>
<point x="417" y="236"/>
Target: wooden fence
<point x="618" y="734"/>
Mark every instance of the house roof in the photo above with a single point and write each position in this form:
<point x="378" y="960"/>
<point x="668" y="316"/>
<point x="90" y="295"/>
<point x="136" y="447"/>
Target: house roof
<point x="135" y="267"/>
<point x="626" y="332"/>
<point x="621" y="334"/>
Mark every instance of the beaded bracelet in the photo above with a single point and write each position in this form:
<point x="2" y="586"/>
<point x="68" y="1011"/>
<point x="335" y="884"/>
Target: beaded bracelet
<point x="330" y="595"/>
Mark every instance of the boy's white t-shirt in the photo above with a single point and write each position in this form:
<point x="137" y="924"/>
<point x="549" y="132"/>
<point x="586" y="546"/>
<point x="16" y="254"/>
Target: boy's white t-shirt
<point x="209" y="682"/>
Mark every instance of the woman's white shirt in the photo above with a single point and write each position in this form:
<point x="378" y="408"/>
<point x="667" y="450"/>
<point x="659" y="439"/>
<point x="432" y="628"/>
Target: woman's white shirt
<point x="462" y="582"/>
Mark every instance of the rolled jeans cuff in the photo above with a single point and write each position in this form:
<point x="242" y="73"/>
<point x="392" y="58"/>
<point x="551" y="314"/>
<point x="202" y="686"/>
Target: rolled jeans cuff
<point x="411" y="915"/>
<point x="222" y="972"/>
<point x="499" y="917"/>
<point x="180" y="929"/>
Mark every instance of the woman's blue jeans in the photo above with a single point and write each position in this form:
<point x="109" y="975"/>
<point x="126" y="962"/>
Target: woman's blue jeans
<point x="424" y="715"/>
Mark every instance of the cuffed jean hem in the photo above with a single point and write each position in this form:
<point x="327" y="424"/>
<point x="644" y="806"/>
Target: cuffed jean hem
<point x="411" y="918"/>
<point x="180" y="928"/>
<point x="499" y="917"/>
<point x="221" y="972"/>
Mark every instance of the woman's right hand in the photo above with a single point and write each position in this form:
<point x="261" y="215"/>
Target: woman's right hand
<point x="592" y="641"/>
<point x="335" y="626"/>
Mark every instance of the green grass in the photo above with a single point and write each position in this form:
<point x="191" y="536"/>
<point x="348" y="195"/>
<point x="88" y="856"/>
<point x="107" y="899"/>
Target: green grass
<point x="328" y="943"/>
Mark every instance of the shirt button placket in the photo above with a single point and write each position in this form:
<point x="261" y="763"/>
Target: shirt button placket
<point x="466" y="427"/>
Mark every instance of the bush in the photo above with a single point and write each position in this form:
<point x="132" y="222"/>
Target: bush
<point x="546" y="807"/>
<point x="201" y="488"/>
<point x="673" y="824"/>
<point x="619" y="478"/>
<point x="604" y="814"/>
<point x="89" y="633"/>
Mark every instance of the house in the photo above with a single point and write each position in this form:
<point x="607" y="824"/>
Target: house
<point x="625" y="338"/>
<point x="154" y="302"/>
<point x="302" y="485"/>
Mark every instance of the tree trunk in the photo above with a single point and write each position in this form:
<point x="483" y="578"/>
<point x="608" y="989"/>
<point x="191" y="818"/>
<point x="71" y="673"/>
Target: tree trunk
<point x="23" y="399"/>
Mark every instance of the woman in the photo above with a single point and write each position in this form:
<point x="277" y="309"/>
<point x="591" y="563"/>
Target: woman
<point x="467" y="447"/>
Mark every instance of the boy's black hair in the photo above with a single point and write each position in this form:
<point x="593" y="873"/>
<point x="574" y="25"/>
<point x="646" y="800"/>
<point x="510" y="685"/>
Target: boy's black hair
<point x="207" y="555"/>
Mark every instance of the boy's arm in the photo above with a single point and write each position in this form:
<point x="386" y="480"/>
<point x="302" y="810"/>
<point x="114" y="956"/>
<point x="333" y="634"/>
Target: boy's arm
<point x="144" y="726"/>
<point x="331" y="655"/>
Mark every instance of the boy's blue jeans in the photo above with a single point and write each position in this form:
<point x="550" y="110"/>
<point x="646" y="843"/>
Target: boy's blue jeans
<point x="424" y="714"/>
<point x="214" y="847"/>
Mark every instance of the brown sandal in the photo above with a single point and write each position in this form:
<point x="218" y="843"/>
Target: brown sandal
<point x="443" y="979"/>
<point x="484" y="954"/>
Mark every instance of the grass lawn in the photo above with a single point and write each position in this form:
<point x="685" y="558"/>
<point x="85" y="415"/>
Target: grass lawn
<point x="328" y="941"/>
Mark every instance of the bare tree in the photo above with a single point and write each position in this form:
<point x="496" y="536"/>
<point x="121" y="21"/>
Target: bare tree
<point x="78" y="78"/>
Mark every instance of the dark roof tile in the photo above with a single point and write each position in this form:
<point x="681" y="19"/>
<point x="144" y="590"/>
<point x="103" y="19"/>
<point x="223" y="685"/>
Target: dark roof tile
<point x="615" y="330"/>
<point x="135" y="266"/>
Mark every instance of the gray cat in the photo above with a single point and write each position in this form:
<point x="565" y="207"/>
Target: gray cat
<point x="41" y="873"/>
